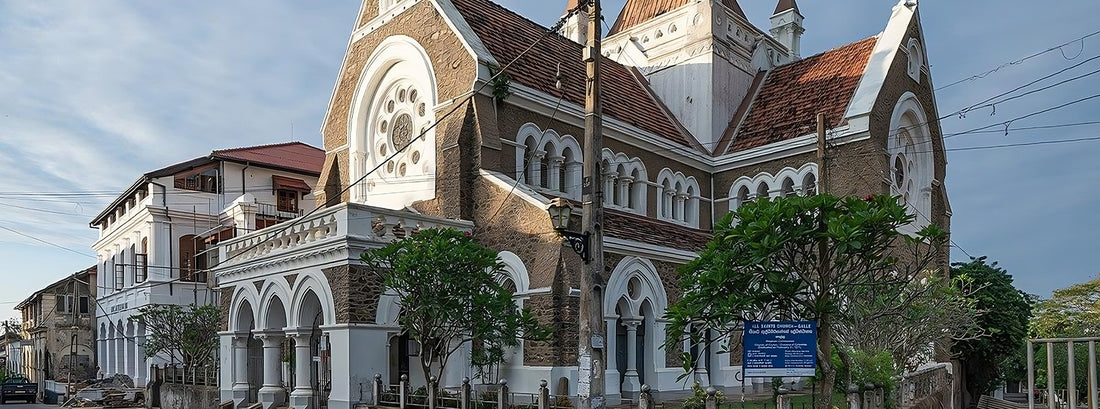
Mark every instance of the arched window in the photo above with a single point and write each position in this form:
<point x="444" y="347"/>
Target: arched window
<point x="910" y="161"/>
<point x="809" y="184"/>
<point x="916" y="59"/>
<point x="787" y="187"/>
<point x="762" y="190"/>
<point x="742" y="196"/>
<point x="390" y="127"/>
<point x="680" y="198"/>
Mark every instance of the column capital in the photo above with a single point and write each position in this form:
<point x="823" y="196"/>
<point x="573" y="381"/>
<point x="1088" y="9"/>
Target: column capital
<point x="632" y="323"/>
<point x="270" y="338"/>
<point x="298" y="333"/>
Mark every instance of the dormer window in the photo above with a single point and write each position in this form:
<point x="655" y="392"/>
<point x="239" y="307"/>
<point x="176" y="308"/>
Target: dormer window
<point x="916" y="59"/>
<point x="202" y="179"/>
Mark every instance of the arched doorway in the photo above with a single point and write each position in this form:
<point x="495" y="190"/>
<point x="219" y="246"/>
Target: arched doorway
<point x="637" y="297"/>
<point x="313" y="347"/>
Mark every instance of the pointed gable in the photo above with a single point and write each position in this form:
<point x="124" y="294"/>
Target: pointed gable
<point x="639" y="11"/>
<point x="506" y="35"/>
<point x="793" y="95"/>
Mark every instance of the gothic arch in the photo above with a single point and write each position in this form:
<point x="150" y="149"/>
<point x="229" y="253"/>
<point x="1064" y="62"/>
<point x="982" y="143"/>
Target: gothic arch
<point x="647" y="287"/>
<point x="312" y="299"/>
<point x="910" y="160"/>
<point x="273" y="305"/>
<point x="516" y="271"/>
<point x="242" y="312"/>
<point x="393" y="105"/>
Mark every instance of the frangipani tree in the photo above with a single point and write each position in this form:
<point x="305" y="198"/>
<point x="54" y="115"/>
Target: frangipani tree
<point x="838" y="261"/>
<point x="451" y="294"/>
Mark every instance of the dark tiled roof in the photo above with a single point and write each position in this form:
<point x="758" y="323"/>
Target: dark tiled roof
<point x="629" y="226"/>
<point x="785" y="5"/>
<point x="795" y="93"/>
<point x="295" y="156"/>
<point x="639" y="11"/>
<point x="507" y="34"/>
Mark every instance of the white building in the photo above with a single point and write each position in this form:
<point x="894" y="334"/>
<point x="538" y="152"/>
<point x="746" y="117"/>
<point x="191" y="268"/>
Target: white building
<point x="152" y="237"/>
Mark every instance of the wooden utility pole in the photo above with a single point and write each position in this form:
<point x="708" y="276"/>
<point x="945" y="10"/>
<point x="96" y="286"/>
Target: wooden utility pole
<point x="822" y="167"/>
<point x="591" y="359"/>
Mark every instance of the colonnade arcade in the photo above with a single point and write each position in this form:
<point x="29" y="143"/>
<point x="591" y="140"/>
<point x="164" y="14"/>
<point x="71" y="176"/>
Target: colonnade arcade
<point x="278" y="341"/>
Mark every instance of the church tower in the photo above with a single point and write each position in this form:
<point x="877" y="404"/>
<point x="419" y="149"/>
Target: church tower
<point x="700" y="58"/>
<point x="576" y="26"/>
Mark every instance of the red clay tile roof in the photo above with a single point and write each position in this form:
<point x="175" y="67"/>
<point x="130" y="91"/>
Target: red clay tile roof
<point x="795" y="93"/>
<point x="639" y="11"/>
<point x="629" y="226"/>
<point x="506" y="34"/>
<point x="294" y="156"/>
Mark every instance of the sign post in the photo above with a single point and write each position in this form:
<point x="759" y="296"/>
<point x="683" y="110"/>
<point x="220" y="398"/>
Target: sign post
<point x="779" y="348"/>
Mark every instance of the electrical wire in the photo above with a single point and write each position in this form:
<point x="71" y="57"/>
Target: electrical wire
<point x="1019" y="61"/>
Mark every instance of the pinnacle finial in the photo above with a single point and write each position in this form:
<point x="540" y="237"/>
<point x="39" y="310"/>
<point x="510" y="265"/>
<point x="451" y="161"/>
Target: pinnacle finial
<point x="785" y="5"/>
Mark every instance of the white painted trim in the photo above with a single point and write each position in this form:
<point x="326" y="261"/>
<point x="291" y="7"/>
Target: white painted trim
<point x="573" y="114"/>
<point x="636" y="248"/>
<point x="886" y="48"/>
<point x="470" y="41"/>
<point x="521" y="190"/>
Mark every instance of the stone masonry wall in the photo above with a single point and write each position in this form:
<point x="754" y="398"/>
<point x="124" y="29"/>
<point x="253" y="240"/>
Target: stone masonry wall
<point x="454" y="68"/>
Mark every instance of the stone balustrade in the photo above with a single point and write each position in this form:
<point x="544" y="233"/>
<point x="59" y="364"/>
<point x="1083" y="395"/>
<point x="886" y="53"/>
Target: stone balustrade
<point x="368" y="223"/>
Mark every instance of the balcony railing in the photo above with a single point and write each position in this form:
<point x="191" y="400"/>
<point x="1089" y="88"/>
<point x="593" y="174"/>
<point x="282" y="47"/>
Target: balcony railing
<point x="362" y="222"/>
<point x="270" y="210"/>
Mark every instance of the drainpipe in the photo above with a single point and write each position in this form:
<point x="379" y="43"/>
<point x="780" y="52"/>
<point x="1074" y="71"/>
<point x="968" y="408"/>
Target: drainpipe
<point x="171" y="249"/>
<point x="713" y="201"/>
<point x="243" y="188"/>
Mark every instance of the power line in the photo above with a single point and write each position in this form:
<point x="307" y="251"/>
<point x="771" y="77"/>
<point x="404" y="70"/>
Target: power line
<point x="1019" y="61"/>
<point x="46" y="242"/>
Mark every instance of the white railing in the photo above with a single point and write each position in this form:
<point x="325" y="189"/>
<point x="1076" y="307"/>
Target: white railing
<point x="1070" y="397"/>
<point x="345" y="220"/>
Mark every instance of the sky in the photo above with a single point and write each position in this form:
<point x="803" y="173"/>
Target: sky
<point x="93" y="94"/>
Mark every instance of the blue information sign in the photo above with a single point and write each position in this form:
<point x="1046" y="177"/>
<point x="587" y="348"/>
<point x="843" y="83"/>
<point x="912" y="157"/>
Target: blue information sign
<point x="780" y="348"/>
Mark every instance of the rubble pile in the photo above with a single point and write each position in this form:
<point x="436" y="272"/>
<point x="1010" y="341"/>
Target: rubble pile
<point x="115" y="392"/>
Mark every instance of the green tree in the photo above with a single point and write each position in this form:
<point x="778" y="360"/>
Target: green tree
<point x="184" y="335"/>
<point x="814" y="258"/>
<point x="1071" y="312"/>
<point x="1004" y="320"/>
<point x="451" y="294"/>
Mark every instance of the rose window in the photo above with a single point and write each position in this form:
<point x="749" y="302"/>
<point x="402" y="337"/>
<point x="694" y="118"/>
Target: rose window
<point x="904" y="167"/>
<point x="401" y="120"/>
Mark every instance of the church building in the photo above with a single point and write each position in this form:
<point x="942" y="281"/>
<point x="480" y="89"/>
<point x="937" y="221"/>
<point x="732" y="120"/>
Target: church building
<point x="702" y="111"/>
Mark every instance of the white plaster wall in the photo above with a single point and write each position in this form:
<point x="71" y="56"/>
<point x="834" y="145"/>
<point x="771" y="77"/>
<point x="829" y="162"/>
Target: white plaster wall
<point x="365" y="352"/>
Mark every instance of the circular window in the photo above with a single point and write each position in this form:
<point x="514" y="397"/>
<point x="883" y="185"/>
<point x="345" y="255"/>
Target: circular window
<point x="899" y="170"/>
<point x="402" y="131"/>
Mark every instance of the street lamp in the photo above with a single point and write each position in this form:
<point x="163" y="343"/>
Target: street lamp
<point x="560" y="210"/>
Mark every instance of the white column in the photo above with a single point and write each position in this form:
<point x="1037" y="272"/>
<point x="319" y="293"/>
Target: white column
<point x="701" y="373"/>
<point x="623" y="193"/>
<point x="553" y="175"/>
<point x="272" y="394"/>
<point x="609" y="186"/>
<point x="143" y="363"/>
<point x="301" y="396"/>
<point x="631" y="383"/>
<point x="240" y="368"/>
<point x="160" y="249"/>
<point x="534" y="171"/>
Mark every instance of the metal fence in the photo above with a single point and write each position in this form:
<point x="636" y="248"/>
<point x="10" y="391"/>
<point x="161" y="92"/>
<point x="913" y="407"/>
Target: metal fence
<point x="195" y="375"/>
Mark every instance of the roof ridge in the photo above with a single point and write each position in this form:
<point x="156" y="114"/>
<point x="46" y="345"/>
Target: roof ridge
<point x="837" y="48"/>
<point x="270" y="145"/>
